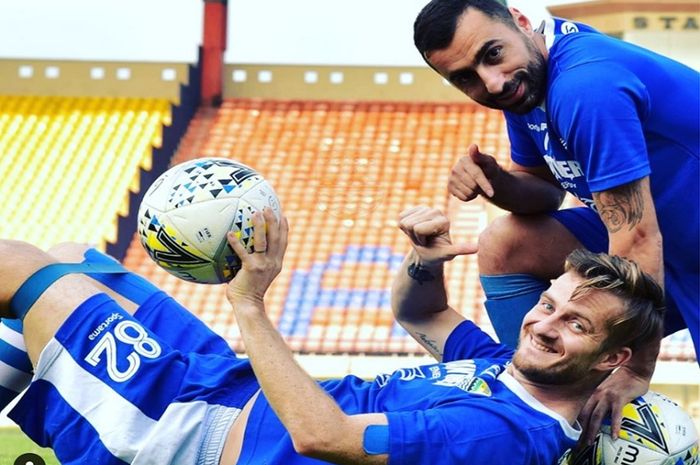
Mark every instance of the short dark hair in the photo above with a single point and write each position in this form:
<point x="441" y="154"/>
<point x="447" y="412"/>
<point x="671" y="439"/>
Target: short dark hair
<point x="436" y="23"/>
<point x="643" y="317"/>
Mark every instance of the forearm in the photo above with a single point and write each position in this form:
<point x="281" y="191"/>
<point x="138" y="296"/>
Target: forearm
<point x="643" y="360"/>
<point x="629" y="215"/>
<point x="287" y="387"/>
<point x="643" y="246"/>
<point x="524" y="193"/>
<point x="420" y="293"/>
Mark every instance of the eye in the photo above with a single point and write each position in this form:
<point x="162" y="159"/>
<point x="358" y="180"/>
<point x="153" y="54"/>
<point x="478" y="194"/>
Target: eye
<point x="547" y="307"/>
<point x="463" y="79"/>
<point x="577" y="327"/>
<point x="494" y="54"/>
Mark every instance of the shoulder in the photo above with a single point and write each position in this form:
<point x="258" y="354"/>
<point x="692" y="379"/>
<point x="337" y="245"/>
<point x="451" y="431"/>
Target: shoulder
<point x="468" y="341"/>
<point x="587" y="71"/>
<point x="574" y="50"/>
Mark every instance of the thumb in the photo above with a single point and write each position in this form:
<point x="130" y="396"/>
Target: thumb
<point x="478" y="157"/>
<point x="464" y="249"/>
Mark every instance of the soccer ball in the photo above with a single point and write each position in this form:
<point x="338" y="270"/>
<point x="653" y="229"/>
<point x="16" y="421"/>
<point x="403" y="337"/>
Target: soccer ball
<point x="655" y="431"/>
<point x="186" y="213"/>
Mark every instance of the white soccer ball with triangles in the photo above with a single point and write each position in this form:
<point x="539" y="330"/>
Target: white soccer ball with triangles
<point x="186" y="213"/>
<point x="655" y="431"/>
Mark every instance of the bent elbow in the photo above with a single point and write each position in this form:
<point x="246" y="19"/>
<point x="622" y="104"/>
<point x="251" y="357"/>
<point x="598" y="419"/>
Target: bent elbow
<point x="310" y="445"/>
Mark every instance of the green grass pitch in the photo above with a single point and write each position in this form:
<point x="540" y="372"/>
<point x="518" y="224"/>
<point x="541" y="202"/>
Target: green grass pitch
<point x="14" y="443"/>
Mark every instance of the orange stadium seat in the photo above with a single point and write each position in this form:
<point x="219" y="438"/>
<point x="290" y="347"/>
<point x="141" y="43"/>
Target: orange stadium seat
<point x="344" y="171"/>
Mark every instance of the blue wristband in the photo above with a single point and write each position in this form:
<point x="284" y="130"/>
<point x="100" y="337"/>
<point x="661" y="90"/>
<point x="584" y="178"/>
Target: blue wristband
<point x="376" y="440"/>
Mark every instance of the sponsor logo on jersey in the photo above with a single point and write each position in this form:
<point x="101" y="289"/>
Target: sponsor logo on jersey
<point x="104" y="325"/>
<point x="568" y="27"/>
<point x="563" y="169"/>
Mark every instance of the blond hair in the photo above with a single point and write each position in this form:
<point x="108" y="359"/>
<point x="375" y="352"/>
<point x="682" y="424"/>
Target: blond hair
<point x="644" y="306"/>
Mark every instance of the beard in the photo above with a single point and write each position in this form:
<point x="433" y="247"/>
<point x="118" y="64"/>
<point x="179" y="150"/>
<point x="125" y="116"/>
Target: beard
<point x="569" y="372"/>
<point x="563" y="372"/>
<point x="533" y="78"/>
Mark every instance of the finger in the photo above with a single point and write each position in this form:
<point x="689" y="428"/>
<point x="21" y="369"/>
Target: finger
<point x="408" y="222"/>
<point x="272" y="225"/>
<point x="409" y="211"/>
<point x="428" y="223"/>
<point x="594" y="422"/>
<point x="477" y="174"/>
<point x="259" y="233"/>
<point x="464" y="249"/>
<point x="584" y="419"/>
<point x="459" y="174"/>
<point x="616" y="420"/>
<point x="432" y="226"/>
<point x="284" y="235"/>
<point x="235" y="242"/>
<point x="459" y="188"/>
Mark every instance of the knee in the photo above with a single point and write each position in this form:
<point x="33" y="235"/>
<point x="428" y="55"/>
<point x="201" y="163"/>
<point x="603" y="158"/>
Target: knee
<point x="69" y="252"/>
<point x="18" y="261"/>
<point x="499" y="245"/>
<point x="534" y="245"/>
<point x="13" y="252"/>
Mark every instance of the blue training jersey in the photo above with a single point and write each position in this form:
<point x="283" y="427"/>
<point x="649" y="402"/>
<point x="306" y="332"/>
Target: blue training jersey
<point x="464" y="410"/>
<point x="615" y="113"/>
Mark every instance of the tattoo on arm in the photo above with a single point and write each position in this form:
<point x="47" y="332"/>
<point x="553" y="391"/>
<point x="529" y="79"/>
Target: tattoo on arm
<point x="432" y="344"/>
<point x="620" y="207"/>
<point x="419" y="273"/>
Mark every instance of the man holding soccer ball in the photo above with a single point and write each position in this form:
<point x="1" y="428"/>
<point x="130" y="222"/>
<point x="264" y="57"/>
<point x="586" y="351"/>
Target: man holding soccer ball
<point x="123" y="374"/>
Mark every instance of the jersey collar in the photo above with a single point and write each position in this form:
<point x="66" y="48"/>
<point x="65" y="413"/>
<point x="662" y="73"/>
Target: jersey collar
<point x="511" y="383"/>
<point x="546" y="28"/>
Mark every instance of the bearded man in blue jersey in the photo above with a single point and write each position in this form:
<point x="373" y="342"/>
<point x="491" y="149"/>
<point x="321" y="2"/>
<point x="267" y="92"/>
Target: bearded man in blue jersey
<point x="615" y="125"/>
<point x="123" y="374"/>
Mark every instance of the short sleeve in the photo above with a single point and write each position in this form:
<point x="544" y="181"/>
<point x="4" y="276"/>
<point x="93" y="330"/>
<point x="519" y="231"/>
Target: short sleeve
<point x="597" y="111"/>
<point x="468" y="341"/>
<point x="456" y="436"/>
<point x="523" y="149"/>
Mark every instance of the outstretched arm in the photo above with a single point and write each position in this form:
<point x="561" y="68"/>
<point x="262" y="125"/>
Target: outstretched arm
<point x="316" y="424"/>
<point x="419" y="297"/>
<point x="520" y="189"/>
<point x="629" y="215"/>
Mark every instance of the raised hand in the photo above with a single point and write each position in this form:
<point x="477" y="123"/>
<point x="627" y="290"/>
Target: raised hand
<point x="472" y="175"/>
<point x="620" y="388"/>
<point x="429" y="232"/>
<point x="261" y="266"/>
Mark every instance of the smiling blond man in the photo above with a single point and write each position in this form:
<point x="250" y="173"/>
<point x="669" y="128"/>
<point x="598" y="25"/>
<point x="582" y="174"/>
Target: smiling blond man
<point x="123" y="374"/>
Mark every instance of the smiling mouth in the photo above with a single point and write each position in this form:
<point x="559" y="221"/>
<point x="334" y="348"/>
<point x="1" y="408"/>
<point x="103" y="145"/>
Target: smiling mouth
<point x="514" y="96"/>
<point x="541" y="347"/>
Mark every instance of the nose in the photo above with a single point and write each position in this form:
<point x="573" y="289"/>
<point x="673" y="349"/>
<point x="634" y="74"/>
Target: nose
<point x="546" y="327"/>
<point x="493" y="79"/>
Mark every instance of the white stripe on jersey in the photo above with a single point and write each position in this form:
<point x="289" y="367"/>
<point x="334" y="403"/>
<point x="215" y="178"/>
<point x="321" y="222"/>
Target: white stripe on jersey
<point x="12" y="337"/>
<point x="122" y="427"/>
<point x="12" y="378"/>
<point x="186" y="434"/>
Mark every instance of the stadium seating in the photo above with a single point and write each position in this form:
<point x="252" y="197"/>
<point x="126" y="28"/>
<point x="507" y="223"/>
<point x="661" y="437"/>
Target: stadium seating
<point x="344" y="171"/>
<point x="74" y="160"/>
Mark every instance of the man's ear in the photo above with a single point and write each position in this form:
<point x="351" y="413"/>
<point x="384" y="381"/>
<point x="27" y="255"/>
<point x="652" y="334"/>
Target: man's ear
<point x="521" y="20"/>
<point x="611" y="360"/>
